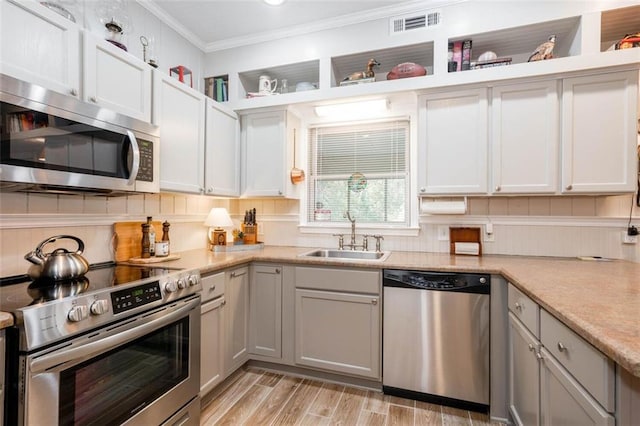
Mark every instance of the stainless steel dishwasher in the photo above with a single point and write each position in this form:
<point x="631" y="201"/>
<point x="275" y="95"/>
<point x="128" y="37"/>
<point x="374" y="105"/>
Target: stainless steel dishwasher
<point x="436" y="337"/>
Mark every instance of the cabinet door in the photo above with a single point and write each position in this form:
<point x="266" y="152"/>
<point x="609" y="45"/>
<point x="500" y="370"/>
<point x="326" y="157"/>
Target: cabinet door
<point x="452" y="156"/>
<point x="599" y="137"/>
<point x="222" y="151"/>
<point x="180" y="113"/>
<point x="265" y="324"/>
<point x="524" y="138"/>
<point x="39" y="46"/>
<point x="564" y="401"/>
<point x="236" y="319"/>
<point x="524" y="382"/>
<point x="211" y="344"/>
<point x="115" y="79"/>
<point x="338" y="332"/>
<point x="267" y="151"/>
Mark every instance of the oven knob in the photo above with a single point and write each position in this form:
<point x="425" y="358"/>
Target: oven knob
<point x="193" y="280"/>
<point x="99" y="307"/>
<point x="78" y="313"/>
<point x="170" y="286"/>
<point x="182" y="283"/>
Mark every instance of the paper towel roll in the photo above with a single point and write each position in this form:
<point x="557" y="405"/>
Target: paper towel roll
<point x="437" y="206"/>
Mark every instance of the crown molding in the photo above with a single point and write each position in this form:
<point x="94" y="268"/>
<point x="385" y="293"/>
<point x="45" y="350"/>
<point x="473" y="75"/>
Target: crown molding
<point x="296" y="30"/>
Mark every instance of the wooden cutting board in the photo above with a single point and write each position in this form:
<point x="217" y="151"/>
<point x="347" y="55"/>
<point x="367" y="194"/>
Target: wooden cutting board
<point x="128" y="239"/>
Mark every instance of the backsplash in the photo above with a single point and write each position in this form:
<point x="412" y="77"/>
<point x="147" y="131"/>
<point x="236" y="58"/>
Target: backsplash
<point x="538" y="226"/>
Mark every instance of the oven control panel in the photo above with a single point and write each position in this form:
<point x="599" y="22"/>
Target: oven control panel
<point x="131" y="298"/>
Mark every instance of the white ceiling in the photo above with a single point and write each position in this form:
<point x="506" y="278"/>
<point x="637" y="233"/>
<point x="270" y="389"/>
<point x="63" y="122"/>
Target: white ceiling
<point x="218" y="24"/>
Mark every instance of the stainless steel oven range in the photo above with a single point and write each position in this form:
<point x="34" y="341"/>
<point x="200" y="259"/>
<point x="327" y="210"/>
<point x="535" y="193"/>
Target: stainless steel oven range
<point x="119" y="345"/>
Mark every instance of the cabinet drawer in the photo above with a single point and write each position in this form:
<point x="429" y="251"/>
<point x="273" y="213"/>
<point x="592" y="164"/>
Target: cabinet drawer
<point x="588" y="365"/>
<point x="525" y="309"/>
<point x="347" y="280"/>
<point x="212" y="286"/>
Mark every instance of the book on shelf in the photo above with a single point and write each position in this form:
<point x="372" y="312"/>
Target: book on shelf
<point x="459" y="55"/>
<point x="361" y="81"/>
<point x="216" y="88"/>
<point x="491" y="63"/>
<point x="466" y="55"/>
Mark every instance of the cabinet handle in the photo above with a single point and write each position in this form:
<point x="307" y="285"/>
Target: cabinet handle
<point x="73" y="92"/>
<point x="93" y="99"/>
<point x="518" y="307"/>
<point x="569" y="187"/>
<point x="531" y="347"/>
<point x="539" y="356"/>
<point x="423" y="189"/>
<point x="498" y="188"/>
<point x="374" y="301"/>
<point x="212" y="288"/>
<point x="237" y="274"/>
<point x="277" y="270"/>
<point x="279" y="192"/>
<point x="561" y="347"/>
<point x="209" y="190"/>
<point x="224" y="302"/>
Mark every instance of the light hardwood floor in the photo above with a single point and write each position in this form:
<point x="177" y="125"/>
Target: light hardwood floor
<point x="252" y="396"/>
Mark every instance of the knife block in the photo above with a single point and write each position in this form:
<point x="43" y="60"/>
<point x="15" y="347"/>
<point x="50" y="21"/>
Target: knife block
<point x="250" y="233"/>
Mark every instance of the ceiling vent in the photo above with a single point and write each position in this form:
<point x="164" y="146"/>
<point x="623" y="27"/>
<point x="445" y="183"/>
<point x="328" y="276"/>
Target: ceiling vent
<point x="401" y="24"/>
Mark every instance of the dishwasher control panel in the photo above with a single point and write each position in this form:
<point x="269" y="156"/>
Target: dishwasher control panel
<point x="443" y="281"/>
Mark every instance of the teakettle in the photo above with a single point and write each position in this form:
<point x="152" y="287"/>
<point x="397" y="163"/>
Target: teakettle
<point x="60" y="264"/>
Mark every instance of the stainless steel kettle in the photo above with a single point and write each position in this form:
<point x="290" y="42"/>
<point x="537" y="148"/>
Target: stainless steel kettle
<point x="60" y="264"/>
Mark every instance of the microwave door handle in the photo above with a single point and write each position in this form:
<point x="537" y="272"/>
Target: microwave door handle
<point x="61" y="359"/>
<point x="135" y="167"/>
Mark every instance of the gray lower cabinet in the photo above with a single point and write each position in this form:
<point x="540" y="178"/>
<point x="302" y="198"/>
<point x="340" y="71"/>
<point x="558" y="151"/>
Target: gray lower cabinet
<point x="212" y="332"/>
<point x="335" y="330"/>
<point x="236" y="319"/>
<point x="571" y="388"/>
<point x="265" y="316"/>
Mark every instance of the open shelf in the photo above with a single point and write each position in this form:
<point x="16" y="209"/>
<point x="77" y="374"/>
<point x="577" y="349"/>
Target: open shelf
<point x="343" y="66"/>
<point x="617" y="23"/>
<point x="294" y="73"/>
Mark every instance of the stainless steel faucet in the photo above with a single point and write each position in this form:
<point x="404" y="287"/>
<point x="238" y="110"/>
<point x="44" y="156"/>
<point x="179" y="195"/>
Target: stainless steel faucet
<point x="353" y="230"/>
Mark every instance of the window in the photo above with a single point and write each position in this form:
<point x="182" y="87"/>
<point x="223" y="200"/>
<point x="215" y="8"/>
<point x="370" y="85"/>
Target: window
<point x="362" y="169"/>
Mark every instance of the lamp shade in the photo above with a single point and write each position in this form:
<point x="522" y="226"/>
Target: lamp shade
<point x="219" y="218"/>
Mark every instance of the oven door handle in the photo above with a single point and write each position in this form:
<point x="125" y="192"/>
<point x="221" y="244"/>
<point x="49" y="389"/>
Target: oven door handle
<point x="88" y="350"/>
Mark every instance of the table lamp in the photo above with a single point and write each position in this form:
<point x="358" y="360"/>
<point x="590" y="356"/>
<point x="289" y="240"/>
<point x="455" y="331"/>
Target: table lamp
<point x="219" y="219"/>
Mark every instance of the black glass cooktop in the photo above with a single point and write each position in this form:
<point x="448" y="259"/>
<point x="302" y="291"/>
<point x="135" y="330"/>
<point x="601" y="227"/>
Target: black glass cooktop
<point x="20" y="291"/>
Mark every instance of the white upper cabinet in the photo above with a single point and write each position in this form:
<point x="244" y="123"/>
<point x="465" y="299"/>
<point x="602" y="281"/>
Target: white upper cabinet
<point x="39" y="46"/>
<point x="180" y="112"/>
<point x="115" y="79"/>
<point x="452" y="149"/>
<point x="267" y="152"/>
<point x="222" y="151"/>
<point x="524" y="137"/>
<point x="599" y="136"/>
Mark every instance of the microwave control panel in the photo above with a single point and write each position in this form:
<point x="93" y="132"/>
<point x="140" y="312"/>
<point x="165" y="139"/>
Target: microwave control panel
<point x="145" y="173"/>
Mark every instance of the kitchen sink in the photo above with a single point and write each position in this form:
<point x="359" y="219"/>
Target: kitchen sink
<point x="347" y="254"/>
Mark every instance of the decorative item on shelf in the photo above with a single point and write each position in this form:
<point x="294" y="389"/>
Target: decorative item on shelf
<point x="459" y="57"/>
<point x="629" y="41"/>
<point x="303" y="86"/>
<point x="250" y="227"/>
<point x="489" y="59"/>
<point x="181" y="72"/>
<point x="368" y="75"/>
<point x="267" y="85"/>
<point x="544" y="51"/>
<point x="219" y="219"/>
<point x="148" y="51"/>
<point x="61" y="7"/>
<point x="113" y="15"/>
<point x="406" y="70"/>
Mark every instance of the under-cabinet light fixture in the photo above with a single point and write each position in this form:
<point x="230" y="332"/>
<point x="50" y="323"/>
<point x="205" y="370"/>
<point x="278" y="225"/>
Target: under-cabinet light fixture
<point x="351" y="109"/>
<point x="274" y="2"/>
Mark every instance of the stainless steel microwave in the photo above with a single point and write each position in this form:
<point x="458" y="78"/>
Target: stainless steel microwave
<point x="55" y="143"/>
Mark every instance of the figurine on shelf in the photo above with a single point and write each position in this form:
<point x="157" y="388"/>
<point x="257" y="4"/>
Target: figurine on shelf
<point x="544" y="51"/>
<point x="364" y="74"/>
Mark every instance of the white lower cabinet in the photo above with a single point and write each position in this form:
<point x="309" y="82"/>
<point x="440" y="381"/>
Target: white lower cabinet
<point x="575" y="389"/>
<point x="212" y="332"/>
<point x="335" y="330"/>
<point x="236" y="319"/>
<point x="265" y="315"/>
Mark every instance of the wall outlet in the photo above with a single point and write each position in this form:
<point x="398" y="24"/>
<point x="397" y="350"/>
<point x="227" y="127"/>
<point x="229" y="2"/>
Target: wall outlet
<point x="443" y="233"/>
<point x="629" y="239"/>
<point x="489" y="236"/>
